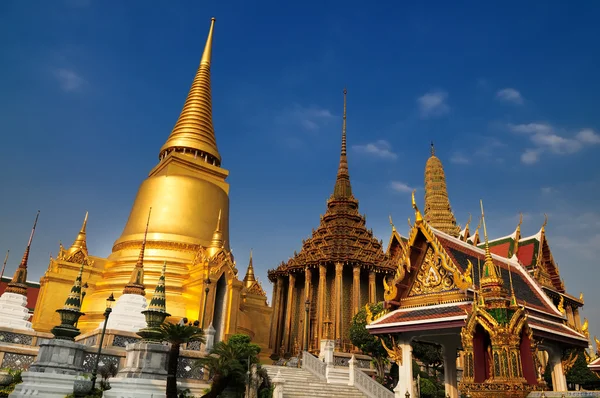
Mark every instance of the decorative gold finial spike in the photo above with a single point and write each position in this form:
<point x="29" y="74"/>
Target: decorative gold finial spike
<point x="136" y="281"/>
<point x="432" y="149"/>
<point x="392" y="223"/>
<point x="545" y="222"/>
<point x="418" y="216"/>
<point x="489" y="268"/>
<point x="250" y="278"/>
<point x="343" y="189"/>
<point x="194" y="133"/>
<point x="217" y="241"/>
<point x="207" y="54"/>
<point x="18" y="284"/>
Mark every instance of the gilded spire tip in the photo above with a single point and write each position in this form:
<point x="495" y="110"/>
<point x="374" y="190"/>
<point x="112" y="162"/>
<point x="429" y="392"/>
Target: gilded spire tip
<point x="432" y="149"/>
<point x="418" y="215"/>
<point x="342" y="188"/>
<point x="207" y="54"/>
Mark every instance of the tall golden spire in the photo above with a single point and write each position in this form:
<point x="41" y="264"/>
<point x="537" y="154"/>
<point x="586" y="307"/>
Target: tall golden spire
<point x="491" y="282"/>
<point x="249" y="279"/>
<point x="438" y="213"/>
<point x="18" y="284"/>
<point x="194" y="133"/>
<point x="136" y="281"/>
<point x="343" y="189"/>
<point x="217" y="239"/>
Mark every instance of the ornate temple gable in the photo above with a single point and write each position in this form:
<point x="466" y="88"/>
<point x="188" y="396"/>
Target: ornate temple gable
<point x="221" y="262"/>
<point x="425" y="273"/>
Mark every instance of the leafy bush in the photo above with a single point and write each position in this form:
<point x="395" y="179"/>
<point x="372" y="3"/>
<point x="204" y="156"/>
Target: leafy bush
<point x="6" y="390"/>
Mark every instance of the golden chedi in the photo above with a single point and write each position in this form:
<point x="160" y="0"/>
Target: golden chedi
<point x="189" y="230"/>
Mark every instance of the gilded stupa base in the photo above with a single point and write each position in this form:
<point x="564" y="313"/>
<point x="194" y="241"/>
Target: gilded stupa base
<point x="496" y="389"/>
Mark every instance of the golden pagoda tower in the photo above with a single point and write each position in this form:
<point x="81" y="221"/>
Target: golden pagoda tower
<point x="438" y="213"/>
<point x="334" y="275"/>
<point x="189" y="232"/>
<point x="187" y="191"/>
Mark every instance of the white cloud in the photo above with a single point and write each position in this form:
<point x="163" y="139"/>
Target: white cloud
<point x="546" y="139"/>
<point x="510" y="95"/>
<point x="309" y="118"/>
<point x="459" y="158"/>
<point x="433" y="104"/>
<point x="588" y="136"/>
<point x="401" y="187"/>
<point x="548" y="190"/>
<point x="380" y="148"/>
<point x="530" y="156"/>
<point x="69" y="80"/>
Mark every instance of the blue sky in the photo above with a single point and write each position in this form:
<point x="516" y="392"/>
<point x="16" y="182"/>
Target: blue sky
<point x="508" y="91"/>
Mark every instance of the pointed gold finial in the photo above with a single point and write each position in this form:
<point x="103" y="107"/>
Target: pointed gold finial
<point x="342" y="188"/>
<point x="545" y="222"/>
<point x="217" y="239"/>
<point x="418" y="216"/>
<point x="194" y="133"/>
<point x="392" y="223"/>
<point x="432" y="149"/>
<point x="79" y="244"/>
<point x="18" y="284"/>
<point x="489" y="268"/>
<point x="581" y="296"/>
<point x="250" y="278"/>
<point x="136" y="281"/>
<point x="207" y="54"/>
<point x="409" y="224"/>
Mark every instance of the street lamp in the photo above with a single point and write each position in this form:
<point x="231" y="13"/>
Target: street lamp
<point x="207" y="282"/>
<point x="107" y="312"/>
<point x="306" y="309"/>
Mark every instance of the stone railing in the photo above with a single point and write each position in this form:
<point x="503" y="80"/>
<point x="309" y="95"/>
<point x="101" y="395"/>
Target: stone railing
<point x="343" y="359"/>
<point x="366" y="384"/>
<point x="314" y="365"/>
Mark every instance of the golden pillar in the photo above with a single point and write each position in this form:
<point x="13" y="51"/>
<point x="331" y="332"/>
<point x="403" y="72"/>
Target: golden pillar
<point x="577" y="318"/>
<point x="372" y="288"/>
<point x="307" y="296"/>
<point x="355" y="289"/>
<point x="288" y="312"/>
<point x="321" y="302"/>
<point x="339" y="267"/>
<point x="277" y="291"/>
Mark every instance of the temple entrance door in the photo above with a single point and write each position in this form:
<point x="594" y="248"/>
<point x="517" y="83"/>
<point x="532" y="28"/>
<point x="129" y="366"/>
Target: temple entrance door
<point x="219" y="309"/>
<point x="482" y="356"/>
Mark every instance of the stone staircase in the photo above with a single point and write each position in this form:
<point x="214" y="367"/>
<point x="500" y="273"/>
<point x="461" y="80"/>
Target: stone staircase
<point x="301" y="383"/>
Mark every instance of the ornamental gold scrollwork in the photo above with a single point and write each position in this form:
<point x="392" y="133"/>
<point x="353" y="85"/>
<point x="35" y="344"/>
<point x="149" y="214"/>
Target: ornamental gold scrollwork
<point x="389" y="291"/>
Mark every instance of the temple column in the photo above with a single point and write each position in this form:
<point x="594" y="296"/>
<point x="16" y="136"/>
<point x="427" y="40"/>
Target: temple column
<point x="405" y="372"/>
<point x="372" y="288"/>
<point x="275" y="318"/>
<point x="449" y="350"/>
<point x="307" y="296"/>
<point x="321" y="302"/>
<point x="339" y="267"/>
<point x="559" y="381"/>
<point x="355" y="289"/>
<point x="570" y="319"/>
<point x="288" y="313"/>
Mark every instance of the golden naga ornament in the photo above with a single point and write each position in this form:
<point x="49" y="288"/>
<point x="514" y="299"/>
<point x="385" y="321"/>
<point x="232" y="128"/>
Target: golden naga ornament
<point x="584" y="327"/>
<point x="561" y="305"/>
<point x="389" y="291"/>
<point x="395" y="353"/>
<point x="597" y="346"/>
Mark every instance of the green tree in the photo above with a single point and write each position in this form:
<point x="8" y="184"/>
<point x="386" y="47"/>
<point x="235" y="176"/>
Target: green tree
<point x="177" y="335"/>
<point x="581" y="374"/>
<point x="429" y="354"/>
<point x="366" y="342"/>
<point x="228" y="363"/>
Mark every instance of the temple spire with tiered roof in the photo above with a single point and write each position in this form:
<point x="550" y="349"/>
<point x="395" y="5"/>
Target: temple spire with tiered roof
<point x="194" y="133"/>
<point x="438" y="212"/>
<point x="217" y="242"/>
<point x="343" y="188"/>
<point x="18" y="284"/>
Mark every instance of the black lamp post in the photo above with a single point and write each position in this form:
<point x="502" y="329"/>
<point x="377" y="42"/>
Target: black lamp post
<point x="107" y="312"/>
<point x="207" y="282"/>
<point x="306" y="309"/>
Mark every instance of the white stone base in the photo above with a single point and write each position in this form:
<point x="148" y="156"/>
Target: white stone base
<point x="44" y="385"/>
<point x="135" y="388"/>
<point x="337" y="375"/>
<point x="127" y="314"/>
<point x="14" y="312"/>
